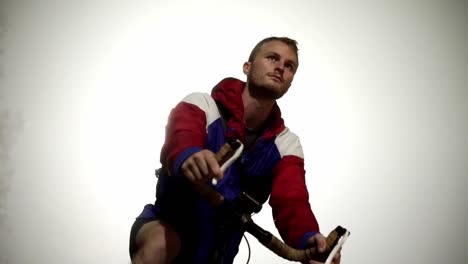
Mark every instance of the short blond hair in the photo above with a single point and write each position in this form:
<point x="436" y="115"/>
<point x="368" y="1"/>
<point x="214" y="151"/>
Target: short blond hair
<point x="288" y="41"/>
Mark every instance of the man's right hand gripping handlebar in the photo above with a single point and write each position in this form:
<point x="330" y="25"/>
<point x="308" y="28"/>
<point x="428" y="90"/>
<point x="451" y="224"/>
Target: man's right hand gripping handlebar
<point x="229" y="152"/>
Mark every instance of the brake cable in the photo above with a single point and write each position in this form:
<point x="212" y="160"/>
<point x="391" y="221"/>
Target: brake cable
<point x="228" y="153"/>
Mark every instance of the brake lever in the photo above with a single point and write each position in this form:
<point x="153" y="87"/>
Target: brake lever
<point x="236" y="150"/>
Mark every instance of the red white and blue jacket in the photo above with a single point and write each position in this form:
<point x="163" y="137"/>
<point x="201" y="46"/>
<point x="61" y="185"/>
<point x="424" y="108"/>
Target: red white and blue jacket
<point x="273" y="166"/>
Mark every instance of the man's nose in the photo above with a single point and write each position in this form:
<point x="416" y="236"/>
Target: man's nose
<point x="279" y="66"/>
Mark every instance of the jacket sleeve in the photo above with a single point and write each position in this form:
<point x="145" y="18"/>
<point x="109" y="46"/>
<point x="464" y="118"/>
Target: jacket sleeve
<point x="185" y="131"/>
<point x="289" y="199"/>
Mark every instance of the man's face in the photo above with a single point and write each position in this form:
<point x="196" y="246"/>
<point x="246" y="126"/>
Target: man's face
<point x="272" y="71"/>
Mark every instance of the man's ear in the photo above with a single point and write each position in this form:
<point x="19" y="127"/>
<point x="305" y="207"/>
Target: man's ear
<point x="246" y="67"/>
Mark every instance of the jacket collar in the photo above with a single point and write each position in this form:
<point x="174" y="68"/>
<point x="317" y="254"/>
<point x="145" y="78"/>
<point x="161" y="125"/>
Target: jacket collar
<point x="228" y="92"/>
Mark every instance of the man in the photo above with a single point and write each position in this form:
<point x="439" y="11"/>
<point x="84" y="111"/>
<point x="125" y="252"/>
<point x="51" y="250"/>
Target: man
<point x="181" y="227"/>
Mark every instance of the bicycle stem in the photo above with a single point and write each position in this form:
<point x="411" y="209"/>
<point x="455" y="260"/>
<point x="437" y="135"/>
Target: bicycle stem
<point x="334" y="240"/>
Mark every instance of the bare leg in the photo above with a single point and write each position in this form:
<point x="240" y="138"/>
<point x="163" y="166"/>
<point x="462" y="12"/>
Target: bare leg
<point x="157" y="243"/>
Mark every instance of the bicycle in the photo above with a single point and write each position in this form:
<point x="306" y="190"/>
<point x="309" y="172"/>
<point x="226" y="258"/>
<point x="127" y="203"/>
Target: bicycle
<point x="241" y="209"/>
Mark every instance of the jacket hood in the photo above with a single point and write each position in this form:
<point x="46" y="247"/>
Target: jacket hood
<point x="228" y="92"/>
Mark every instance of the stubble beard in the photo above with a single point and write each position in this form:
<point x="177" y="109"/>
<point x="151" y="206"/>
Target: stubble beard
<point x="260" y="88"/>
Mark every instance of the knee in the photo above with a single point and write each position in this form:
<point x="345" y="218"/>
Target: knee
<point x="160" y="245"/>
<point x="153" y="252"/>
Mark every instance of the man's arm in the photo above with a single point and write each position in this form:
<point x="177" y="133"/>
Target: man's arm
<point x="289" y="199"/>
<point x="185" y="131"/>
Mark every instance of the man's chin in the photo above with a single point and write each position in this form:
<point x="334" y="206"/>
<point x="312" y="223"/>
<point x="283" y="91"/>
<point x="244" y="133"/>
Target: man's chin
<point x="267" y="92"/>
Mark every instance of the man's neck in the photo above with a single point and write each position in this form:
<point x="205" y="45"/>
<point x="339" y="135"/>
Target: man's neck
<point x="256" y="110"/>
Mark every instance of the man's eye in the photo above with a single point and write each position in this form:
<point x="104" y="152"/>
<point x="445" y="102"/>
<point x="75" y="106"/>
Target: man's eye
<point x="272" y="57"/>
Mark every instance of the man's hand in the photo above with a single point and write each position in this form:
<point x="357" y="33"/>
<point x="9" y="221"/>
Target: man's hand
<point x="319" y="241"/>
<point x="201" y="165"/>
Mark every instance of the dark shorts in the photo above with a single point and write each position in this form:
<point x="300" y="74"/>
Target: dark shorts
<point x="139" y="222"/>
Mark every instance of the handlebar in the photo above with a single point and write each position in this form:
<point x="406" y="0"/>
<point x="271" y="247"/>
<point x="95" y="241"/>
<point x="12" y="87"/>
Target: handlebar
<point x="334" y="240"/>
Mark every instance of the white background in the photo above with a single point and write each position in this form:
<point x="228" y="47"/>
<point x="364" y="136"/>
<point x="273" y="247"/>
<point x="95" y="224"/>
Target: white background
<point x="380" y="103"/>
